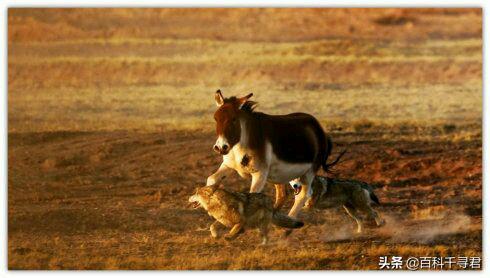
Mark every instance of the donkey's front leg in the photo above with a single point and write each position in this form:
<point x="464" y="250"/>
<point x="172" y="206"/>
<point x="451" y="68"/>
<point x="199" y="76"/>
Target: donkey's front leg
<point x="280" y="195"/>
<point x="220" y="174"/>
<point x="259" y="179"/>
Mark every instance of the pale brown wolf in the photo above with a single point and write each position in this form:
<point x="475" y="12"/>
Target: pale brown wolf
<point x="355" y="196"/>
<point x="240" y="211"/>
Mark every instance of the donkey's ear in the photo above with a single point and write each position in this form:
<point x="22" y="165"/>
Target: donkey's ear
<point x="218" y="98"/>
<point x="244" y="99"/>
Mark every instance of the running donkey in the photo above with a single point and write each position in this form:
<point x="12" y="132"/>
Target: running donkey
<point x="284" y="147"/>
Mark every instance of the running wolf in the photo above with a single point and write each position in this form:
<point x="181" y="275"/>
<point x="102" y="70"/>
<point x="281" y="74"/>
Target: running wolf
<point x="239" y="211"/>
<point x="355" y="196"/>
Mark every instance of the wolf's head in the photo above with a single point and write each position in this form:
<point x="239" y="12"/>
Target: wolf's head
<point x="202" y="196"/>
<point x="296" y="185"/>
<point x="318" y="188"/>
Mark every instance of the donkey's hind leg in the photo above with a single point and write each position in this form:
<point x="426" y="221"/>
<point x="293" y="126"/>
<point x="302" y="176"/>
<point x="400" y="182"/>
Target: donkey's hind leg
<point x="280" y="195"/>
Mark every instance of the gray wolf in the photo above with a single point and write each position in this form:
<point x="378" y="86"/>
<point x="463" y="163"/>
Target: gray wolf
<point x="284" y="147"/>
<point x="240" y="211"/>
<point x="355" y="196"/>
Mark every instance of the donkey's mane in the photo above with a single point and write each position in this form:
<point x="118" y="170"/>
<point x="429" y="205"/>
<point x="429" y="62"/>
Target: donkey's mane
<point x="248" y="106"/>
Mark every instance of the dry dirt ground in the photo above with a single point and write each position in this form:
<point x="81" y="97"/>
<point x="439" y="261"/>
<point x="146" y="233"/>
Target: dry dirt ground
<point x="110" y="131"/>
<point x="110" y="200"/>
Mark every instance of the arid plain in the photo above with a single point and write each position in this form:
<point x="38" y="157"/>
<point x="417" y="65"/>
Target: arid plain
<point x="111" y="129"/>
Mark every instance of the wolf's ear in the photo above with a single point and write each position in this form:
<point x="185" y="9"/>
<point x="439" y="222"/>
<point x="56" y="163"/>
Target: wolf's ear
<point x="218" y="98"/>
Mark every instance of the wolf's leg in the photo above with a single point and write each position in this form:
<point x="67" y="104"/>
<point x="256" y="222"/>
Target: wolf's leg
<point x="352" y="213"/>
<point x="259" y="179"/>
<point x="374" y="215"/>
<point x="264" y="232"/>
<point x="280" y="195"/>
<point x="234" y="232"/>
<point x="304" y="194"/>
<point x="214" y="229"/>
<point x="364" y="204"/>
<point x="220" y="174"/>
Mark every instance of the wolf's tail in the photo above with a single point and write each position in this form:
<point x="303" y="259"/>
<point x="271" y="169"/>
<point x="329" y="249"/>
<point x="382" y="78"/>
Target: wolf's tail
<point x="374" y="198"/>
<point x="285" y="221"/>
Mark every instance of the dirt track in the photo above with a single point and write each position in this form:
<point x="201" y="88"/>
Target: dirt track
<point x="119" y="200"/>
<point x="401" y="89"/>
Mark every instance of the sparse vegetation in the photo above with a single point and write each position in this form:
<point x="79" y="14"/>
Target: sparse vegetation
<point x="110" y="130"/>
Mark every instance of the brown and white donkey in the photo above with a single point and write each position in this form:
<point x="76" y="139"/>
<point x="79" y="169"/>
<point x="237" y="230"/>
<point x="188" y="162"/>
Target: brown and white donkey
<point x="269" y="148"/>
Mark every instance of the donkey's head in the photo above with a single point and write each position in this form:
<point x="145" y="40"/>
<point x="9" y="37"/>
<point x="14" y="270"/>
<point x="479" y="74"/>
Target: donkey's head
<point x="227" y="120"/>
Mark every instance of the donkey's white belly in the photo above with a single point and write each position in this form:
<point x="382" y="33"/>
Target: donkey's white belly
<point x="283" y="172"/>
<point x="279" y="171"/>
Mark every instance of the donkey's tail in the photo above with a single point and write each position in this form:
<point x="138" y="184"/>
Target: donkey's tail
<point x="326" y="165"/>
<point x="328" y="152"/>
